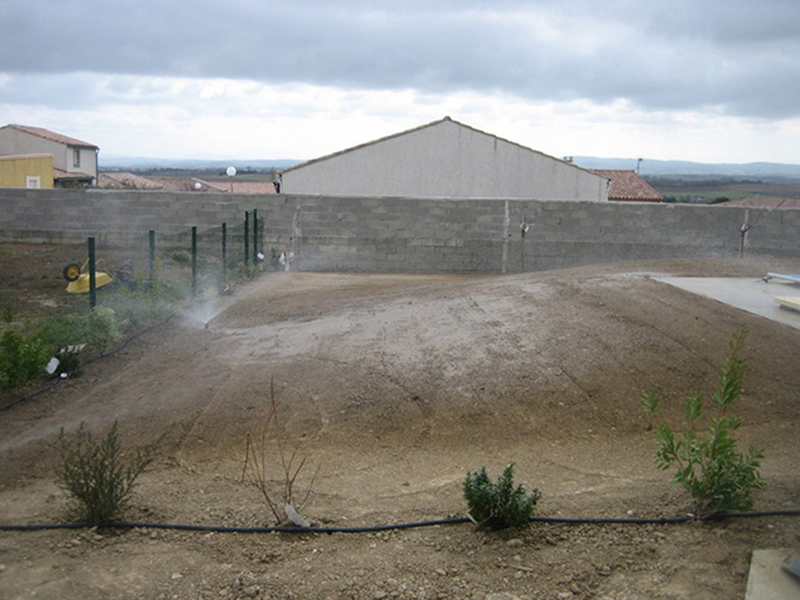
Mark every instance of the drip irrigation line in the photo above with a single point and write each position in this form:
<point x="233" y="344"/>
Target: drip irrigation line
<point x="130" y="339"/>
<point x="397" y="526"/>
<point x="42" y="390"/>
<point x="111" y="352"/>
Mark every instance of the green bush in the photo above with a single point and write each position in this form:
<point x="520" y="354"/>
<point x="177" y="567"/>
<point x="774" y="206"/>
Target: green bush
<point x="98" y="329"/>
<point x="62" y="332"/>
<point x="708" y="465"/>
<point x="498" y="505"/>
<point x="181" y="258"/>
<point x="96" y="476"/>
<point x="22" y="359"/>
<point x="102" y="331"/>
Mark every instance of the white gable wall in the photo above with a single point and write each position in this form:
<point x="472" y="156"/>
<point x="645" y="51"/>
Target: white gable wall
<point x="445" y="160"/>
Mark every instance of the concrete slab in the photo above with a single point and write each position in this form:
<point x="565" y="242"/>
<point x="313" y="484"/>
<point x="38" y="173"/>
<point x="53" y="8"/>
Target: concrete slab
<point x="767" y="580"/>
<point x="749" y="294"/>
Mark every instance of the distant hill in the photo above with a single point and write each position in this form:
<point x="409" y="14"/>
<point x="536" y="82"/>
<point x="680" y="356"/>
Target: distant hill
<point x="683" y="169"/>
<point x="116" y="162"/>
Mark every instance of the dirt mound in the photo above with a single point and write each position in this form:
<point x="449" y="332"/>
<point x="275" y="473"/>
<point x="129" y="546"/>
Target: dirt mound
<point x="398" y="385"/>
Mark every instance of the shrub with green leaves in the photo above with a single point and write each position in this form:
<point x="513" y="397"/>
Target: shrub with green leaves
<point x="22" y="359"/>
<point x="135" y="310"/>
<point x="708" y="464"/>
<point x="498" y="505"/>
<point x="64" y="331"/>
<point x="102" y="331"/>
<point x="182" y="258"/>
<point x="97" y="328"/>
<point x="96" y="475"/>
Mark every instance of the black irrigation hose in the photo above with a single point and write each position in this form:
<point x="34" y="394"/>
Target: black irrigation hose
<point x="42" y="390"/>
<point x="58" y="380"/>
<point x="398" y="526"/>
<point x="130" y="339"/>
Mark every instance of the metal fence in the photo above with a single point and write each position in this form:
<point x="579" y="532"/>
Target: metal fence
<point x="176" y="268"/>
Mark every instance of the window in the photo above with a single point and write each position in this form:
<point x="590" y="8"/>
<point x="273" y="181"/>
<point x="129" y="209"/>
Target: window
<point x="33" y="182"/>
<point x="76" y="158"/>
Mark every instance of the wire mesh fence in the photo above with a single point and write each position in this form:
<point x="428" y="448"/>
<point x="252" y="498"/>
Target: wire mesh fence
<point x="48" y="293"/>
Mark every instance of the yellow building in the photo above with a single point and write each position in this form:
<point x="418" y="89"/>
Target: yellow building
<point x="32" y="171"/>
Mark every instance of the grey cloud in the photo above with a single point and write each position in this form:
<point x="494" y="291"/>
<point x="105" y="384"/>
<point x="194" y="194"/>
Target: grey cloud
<point x="661" y="55"/>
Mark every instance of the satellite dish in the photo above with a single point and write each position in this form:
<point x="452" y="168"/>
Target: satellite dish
<point x="197" y="185"/>
<point x="231" y="171"/>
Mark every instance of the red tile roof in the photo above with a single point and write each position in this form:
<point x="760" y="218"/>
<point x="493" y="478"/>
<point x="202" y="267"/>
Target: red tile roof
<point x="121" y="180"/>
<point x="52" y="136"/>
<point x="253" y="187"/>
<point x="188" y="184"/>
<point x="627" y="186"/>
<point x="116" y="181"/>
<point x="60" y="175"/>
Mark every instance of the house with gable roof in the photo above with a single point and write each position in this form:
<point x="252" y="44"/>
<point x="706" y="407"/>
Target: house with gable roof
<point x="444" y="159"/>
<point x="74" y="161"/>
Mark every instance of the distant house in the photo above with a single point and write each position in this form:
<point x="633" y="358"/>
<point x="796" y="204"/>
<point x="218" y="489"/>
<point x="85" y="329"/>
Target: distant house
<point x="444" y="159"/>
<point x="32" y="171"/>
<point x="627" y="186"/>
<point x="74" y="161"/>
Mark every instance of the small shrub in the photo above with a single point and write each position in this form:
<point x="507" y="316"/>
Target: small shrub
<point x="135" y="310"/>
<point x="101" y="330"/>
<point x="98" y="329"/>
<point x="709" y="467"/>
<point x="62" y="332"/>
<point x="95" y="474"/>
<point x="498" y="505"/>
<point x="22" y="359"/>
<point x="7" y="314"/>
<point x="181" y="258"/>
<point x="279" y="497"/>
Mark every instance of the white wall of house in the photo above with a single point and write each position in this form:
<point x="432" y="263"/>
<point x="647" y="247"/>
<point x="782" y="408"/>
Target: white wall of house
<point x="87" y="161"/>
<point x="449" y="160"/>
<point x="14" y="141"/>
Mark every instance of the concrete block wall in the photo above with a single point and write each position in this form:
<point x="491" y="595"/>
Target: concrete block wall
<point x="407" y="234"/>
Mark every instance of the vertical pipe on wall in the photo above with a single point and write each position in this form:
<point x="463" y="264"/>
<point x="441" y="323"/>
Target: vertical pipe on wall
<point x="743" y="230"/>
<point x="506" y="236"/>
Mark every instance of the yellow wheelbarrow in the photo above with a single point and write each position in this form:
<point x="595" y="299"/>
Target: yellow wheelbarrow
<point x="77" y="276"/>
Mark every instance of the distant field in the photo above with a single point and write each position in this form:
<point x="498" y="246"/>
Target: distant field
<point x="712" y="191"/>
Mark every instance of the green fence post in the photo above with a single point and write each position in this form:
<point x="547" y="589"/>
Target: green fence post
<point x="194" y="261"/>
<point x="92" y="274"/>
<point x="255" y="236"/>
<point x="152" y="239"/>
<point x="224" y="250"/>
<point x="246" y="238"/>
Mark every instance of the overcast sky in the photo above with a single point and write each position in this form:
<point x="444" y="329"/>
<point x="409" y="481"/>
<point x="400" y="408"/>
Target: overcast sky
<point x="704" y="80"/>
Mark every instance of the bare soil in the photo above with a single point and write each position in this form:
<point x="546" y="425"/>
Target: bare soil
<point x="396" y="386"/>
